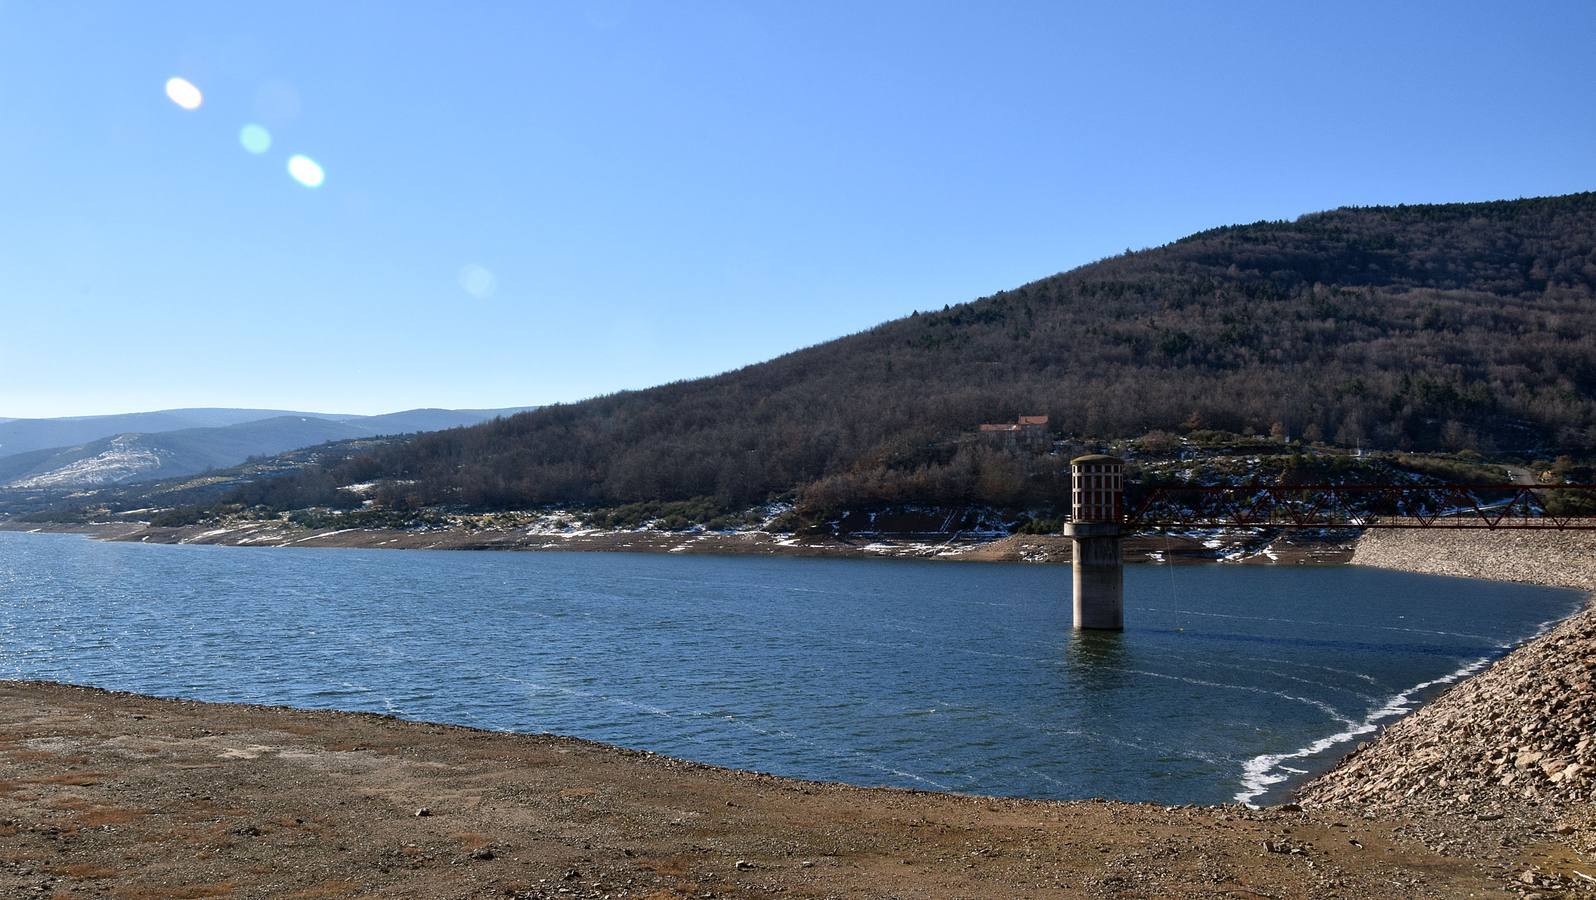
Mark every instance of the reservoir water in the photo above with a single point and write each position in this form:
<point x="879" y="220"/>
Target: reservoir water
<point x="1230" y="682"/>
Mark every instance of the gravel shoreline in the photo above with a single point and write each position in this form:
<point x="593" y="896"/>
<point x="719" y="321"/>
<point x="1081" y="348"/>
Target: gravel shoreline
<point x="1515" y="743"/>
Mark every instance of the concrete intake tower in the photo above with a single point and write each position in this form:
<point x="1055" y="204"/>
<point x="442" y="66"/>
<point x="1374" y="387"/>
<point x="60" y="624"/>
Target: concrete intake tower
<point x="1097" y="509"/>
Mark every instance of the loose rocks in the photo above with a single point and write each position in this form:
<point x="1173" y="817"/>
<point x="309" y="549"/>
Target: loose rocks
<point x="1524" y="730"/>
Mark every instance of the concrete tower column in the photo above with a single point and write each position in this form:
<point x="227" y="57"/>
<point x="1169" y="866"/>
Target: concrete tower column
<point x="1096" y="512"/>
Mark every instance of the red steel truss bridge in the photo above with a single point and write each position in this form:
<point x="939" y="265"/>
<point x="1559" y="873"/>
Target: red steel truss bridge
<point x="1550" y="507"/>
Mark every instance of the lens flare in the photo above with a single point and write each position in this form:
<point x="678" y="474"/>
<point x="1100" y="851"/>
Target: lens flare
<point x="255" y="138"/>
<point x="306" y="171"/>
<point x="183" y="92"/>
<point x="478" y="281"/>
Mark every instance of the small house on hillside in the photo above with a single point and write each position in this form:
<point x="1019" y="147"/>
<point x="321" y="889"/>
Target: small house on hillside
<point x="1030" y="431"/>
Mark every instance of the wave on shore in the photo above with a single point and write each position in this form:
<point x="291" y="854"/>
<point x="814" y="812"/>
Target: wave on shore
<point x="1266" y="770"/>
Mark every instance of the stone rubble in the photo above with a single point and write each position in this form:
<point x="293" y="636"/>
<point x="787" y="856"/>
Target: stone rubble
<point x="1515" y="742"/>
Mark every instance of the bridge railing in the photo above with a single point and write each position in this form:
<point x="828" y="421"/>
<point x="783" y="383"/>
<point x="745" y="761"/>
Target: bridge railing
<point x="1560" y="507"/>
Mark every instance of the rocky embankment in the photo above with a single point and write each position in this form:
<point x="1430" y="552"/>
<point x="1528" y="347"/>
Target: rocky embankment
<point x="1517" y="741"/>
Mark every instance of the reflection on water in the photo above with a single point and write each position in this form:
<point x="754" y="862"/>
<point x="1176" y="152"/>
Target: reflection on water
<point x="948" y="676"/>
<point x="1096" y="659"/>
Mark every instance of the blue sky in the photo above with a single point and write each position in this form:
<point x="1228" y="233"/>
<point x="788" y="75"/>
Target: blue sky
<point x="667" y="190"/>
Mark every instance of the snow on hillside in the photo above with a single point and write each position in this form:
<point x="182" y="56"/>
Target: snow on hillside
<point x="117" y="463"/>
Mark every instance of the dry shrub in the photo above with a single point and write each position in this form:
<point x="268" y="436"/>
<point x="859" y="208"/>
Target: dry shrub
<point x="88" y="872"/>
<point x="107" y="816"/>
<point x="186" y="892"/>
<point x="76" y="779"/>
<point x="675" y="867"/>
<point x="338" y="887"/>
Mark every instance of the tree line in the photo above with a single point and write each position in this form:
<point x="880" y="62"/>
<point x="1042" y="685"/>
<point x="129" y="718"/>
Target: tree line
<point x="1447" y="327"/>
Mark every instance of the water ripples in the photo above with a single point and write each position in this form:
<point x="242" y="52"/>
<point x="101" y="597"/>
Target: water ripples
<point x="923" y="675"/>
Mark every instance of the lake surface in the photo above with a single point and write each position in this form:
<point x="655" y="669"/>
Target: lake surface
<point x="1229" y="682"/>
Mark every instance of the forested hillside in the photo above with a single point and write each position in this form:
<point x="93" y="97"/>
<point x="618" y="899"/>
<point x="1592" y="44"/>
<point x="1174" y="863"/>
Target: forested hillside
<point x="1453" y="326"/>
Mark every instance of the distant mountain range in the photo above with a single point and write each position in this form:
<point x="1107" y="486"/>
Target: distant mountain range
<point x="94" y="451"/>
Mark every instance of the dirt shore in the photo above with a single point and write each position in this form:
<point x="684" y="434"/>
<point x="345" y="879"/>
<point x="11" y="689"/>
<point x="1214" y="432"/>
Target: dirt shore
<point x="1245" y="547"/>
<point x="125" y="796"/>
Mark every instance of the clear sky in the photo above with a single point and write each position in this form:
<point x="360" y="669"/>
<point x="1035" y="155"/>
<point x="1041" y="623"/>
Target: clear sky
<point x="530" y="202"/>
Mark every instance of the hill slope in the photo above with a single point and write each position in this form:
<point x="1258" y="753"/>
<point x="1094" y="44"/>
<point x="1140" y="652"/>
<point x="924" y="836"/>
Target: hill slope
<point x="1450" y="326"/>
<point x="27" y="435"/>
<point x="19" y="436"/>
<point x="129" y="457"/>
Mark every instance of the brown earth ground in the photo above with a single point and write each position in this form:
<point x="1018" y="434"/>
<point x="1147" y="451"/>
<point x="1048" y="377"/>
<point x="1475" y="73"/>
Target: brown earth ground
<point x="118" y="795"/>
<point x="1281" y="547"/>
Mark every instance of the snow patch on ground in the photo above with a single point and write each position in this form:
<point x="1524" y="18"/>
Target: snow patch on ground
<point x="322" y="534"/>
<point x="207" y="534"/>
<point x="559" y="523"/>
<point x="115" y="464"/>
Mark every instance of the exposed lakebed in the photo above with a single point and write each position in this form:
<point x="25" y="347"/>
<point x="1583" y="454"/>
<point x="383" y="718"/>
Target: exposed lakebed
<point x="1230" y="682"/>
